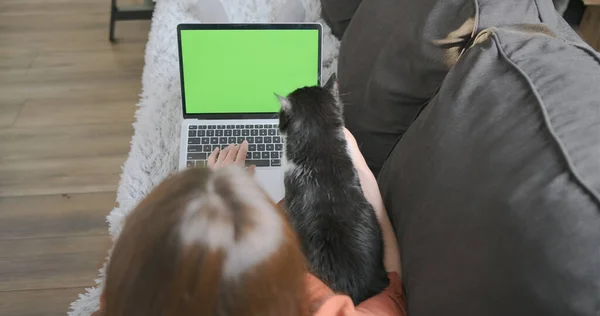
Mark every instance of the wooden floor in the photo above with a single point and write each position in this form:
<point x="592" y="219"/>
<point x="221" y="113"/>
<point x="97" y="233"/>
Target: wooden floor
<point x="590" y="24"/>
<point x="67" y="99"/>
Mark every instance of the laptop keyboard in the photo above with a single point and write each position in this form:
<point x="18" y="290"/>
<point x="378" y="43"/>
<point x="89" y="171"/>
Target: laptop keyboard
<point x="265" y="145"/>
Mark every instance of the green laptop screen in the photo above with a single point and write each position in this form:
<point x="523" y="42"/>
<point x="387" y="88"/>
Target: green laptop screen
<point x="238" y="71"/>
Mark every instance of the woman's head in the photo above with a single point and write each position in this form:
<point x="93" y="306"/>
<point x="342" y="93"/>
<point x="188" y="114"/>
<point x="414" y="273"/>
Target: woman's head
<point x="206" y="243"/>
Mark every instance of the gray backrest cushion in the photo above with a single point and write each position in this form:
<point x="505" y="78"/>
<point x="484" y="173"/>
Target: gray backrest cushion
<point x="395" y="54"/>
<point x="338" y="14"/>
<point x="494" y="191"/>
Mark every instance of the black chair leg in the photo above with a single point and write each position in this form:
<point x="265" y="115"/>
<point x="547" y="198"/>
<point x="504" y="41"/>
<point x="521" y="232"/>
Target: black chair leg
<point x="133" y="12"/>
<point x="113" y="11"/>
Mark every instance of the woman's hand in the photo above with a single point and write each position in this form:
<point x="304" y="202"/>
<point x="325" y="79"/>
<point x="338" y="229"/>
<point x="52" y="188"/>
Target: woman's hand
<point x="231" y="155"/>
<point x="370" y="189"/>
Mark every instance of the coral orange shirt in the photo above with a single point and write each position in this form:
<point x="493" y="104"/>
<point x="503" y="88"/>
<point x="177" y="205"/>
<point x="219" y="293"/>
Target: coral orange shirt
<point x="324" y="302"/>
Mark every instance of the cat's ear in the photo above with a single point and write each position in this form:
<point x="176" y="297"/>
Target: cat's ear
<point x="330" y="82"/>
<point x="332" y="85"/>
<point x="286" y="105"/>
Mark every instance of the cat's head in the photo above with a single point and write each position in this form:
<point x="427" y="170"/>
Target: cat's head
<point x="311" y="109"/>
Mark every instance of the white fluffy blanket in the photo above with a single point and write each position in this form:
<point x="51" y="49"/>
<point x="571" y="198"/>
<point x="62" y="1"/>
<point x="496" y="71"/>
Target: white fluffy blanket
<point x="154" y="146"/>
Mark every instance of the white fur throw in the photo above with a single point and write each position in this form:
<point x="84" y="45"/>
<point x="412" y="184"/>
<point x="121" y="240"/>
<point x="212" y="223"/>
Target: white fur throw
<point x="154" y="146"/>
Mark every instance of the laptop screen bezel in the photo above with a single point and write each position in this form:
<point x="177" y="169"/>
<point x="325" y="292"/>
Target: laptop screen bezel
<point x="239" y="26"/>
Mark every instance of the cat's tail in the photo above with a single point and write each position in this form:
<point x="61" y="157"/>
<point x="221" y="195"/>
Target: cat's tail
<point x="353" y="263"/>
<point x="361" y="279"/>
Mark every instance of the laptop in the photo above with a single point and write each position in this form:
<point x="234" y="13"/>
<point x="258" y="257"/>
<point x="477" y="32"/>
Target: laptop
<point x="229" y="76"/>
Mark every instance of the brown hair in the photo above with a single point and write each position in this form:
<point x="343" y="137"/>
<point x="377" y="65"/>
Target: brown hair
<point x="206" y="243"/>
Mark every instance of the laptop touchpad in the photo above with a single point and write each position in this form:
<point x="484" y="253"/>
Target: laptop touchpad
<point x="271" y="179"/>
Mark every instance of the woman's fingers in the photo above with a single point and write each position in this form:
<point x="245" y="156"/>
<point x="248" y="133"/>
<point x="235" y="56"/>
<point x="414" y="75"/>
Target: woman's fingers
<point x="212" y="158"/>
<point x="223" y="155"/>
<point x="231" y="154"/>
<point x="251" y="169"/>
<point x="240" y="159"/>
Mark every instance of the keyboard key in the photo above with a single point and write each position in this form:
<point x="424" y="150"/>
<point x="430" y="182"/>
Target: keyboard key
<point x="223" y="140"/>
<point x="205" y="140"/>
<point x="237" y="132"/>
<point x="281" y="154"/>
<point x="201" y="133"/>
<point x="258" y="140"/>
<point x="230" y="126"/>
<point x="248" y="155"/>
<point x="210" y="133"/>
<point x="211" y="126"/>
<point x="192" y="133"/>
<point x="228" y="133"/>
<point x="191" y="164"/>
<point x="201" y="126"/>
<point x="245" y="132"/>
<point x="215" y="146"/>
<point x="201" y="163"/>
<point x="193" y="141"/>
<point x="223" y="146"/>
<point x="214" y="140"/>
<point x="221" y="126"/>
<point x="277" y="139"/>
<point x="249" y="126"/>
<point x="256" y="155"/>
<point x="239" y="140"/>
<point x="219" y="133"/>
<point x="254" y="132"/>
<point x="196" y="156"/>
<point x="279" y="147"/>
<point x="270" y="147"/>
<point x="274" y="154"/>
<point x="268" y="126"/>
<point x="207" y="149"/>
<point x="260" y="147"/>
<point x="263" y="132"/>
<point x="194" y="149"/>
<point x="252" y="147"/>
<point x="277" y="132"/>
<point x="265" y="155"/>
<point x="275" y="162"/>
<point x="239" y="126"/>
<point x="272" y="132"/>
<point x="232" y="140"/>
<point x="250" y="140"/>
<point x="268" y="139"/>
<point x="258" y="163"/>
<point x="259" y="126"/>
<point x="193" y="127"/>
<point x="276" y="125"/>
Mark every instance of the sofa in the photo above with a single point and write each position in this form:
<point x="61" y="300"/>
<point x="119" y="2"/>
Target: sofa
<point x="481" y="119"/>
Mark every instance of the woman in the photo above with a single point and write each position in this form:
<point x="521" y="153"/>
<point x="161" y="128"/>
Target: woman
<point x="211" y="242"/>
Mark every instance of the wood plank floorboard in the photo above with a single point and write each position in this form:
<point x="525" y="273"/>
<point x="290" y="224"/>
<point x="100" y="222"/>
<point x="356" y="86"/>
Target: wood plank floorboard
<point x="67" y="101"/>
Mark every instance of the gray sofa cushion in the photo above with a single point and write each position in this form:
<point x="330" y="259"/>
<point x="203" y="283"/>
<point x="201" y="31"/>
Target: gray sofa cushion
<point x="338" y="13"/>
<point x="395" y="54"/>
<point x="494" y="190"/>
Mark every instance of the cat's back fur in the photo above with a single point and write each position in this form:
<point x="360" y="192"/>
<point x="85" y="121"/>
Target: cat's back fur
<point x="337" y="226"/>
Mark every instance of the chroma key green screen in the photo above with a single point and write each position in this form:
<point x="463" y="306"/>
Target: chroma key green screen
<point x="238" y="71"/>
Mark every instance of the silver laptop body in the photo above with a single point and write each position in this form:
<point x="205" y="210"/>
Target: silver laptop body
<point x="202" y="132"/>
